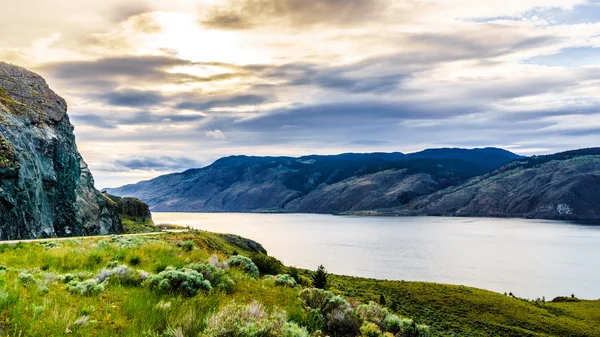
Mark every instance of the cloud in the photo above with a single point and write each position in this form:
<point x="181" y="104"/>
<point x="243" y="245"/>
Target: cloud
<point x="202" y="104"/>
<point x="216" y="134"/>
<point x="160" y="163"/>
<point x="141" y="67"/>
<point x="132" y="98"/>
<point x="113" y="120"/>
<point x="93" y="120"/>
<point x="245" y="14"/>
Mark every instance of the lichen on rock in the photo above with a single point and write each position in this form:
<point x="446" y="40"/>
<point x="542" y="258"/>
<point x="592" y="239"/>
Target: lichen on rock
<point x="46" y="188"/>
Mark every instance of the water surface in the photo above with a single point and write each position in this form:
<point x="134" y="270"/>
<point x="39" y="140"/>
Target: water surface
<point x="530" y="258"/>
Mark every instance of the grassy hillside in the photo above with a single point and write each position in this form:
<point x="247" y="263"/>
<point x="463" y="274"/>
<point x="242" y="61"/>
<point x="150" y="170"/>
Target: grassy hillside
<point x="463" y="311"/>
<point x="177" y="285"/>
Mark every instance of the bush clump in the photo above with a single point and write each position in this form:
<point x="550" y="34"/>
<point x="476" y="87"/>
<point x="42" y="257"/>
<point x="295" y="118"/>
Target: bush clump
<point x="387" y="322"/>
<point x="123" y="275"/>
<point x="178" y="281"/>
<point x="187" y="246"/>
<point x="245" y="264"/>
<point x="249" y="321"/>
<point x="338" y="317"/>
<point x="268" y="265"/>
<point x="49" y="244"/>
<point x="66" y="278"/>
<point x="26" y="278"/>
<point x="285" y="280"/>
<point x="217" y="277"/>
<point x="88" y="287"/>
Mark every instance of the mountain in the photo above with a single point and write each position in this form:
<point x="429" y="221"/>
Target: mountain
<point x="46" y="189"/>
<point x="560" y="186"/>
<point x="326" y="184"/>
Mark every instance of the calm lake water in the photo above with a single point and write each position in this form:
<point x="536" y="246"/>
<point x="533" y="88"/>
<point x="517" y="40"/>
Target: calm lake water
<point x="531" y="258"/>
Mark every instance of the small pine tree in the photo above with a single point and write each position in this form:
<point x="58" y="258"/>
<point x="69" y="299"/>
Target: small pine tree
<point x="320" y="277"/>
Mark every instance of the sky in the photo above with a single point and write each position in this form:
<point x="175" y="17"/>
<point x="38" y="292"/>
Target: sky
<point x="158" y="86"/>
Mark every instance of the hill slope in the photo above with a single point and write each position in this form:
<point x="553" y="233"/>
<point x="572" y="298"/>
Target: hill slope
<point x="327" y="184"/>
<point x="559" y="186"/>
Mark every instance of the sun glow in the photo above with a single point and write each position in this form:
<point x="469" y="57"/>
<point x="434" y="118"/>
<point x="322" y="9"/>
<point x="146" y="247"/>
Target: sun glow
<point x="180" y="34"/>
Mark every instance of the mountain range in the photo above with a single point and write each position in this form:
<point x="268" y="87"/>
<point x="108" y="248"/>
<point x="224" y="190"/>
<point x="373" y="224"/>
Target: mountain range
<point x="326" y="184"/>
<point x="447" y="182"/>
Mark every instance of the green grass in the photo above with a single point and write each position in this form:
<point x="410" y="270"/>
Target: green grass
<point x="463" y="311"/>
<point x="44" y="306"/>
<point x="133" y="225"/>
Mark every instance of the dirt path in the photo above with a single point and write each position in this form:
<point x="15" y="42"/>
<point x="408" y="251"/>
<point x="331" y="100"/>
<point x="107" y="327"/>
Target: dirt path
<point x="14" y="242"/>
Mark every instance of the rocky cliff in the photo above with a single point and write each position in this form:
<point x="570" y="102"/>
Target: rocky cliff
<point x="46" y="189"/>
<point x="559" y="186"/>
<point x="323" y="184"/>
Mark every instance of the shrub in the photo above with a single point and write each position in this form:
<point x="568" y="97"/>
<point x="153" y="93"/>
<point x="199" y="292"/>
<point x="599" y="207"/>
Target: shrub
<point x="187" y="246"/>
<point x="217" y="277"/>
<point x="85" y="288"/>
<point x="93" y="260"/>
<point x="314" y="320"/>
<point x="319" y="277"/>
<point x="123" y="275"/>
<point x="208" y="271"/>
<point x="305" y="281"/>
<point x="112" y="264"/>
<point x="26" y="278"/>
<point x="339" y="317"/>
<point x="250" y="321"/>
<point x="343" y="322"/>
<point x="183" y="281"/>
<point x="245" y="264"/>
<point x="267" y="265"/>
<point x="49" y="244"/>
<point x="293" y="272"/>
<point x="370" y="330"/>
<point x="135" y="260"/>
<point x="285" y="281"/>
<point x="66" y="278"/>
<point x="373" y="313"/>
<point x="214" y="260"/>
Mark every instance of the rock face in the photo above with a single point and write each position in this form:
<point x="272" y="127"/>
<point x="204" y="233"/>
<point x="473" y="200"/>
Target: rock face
<point x="46" y="189"/>
<point x="323" y="184"/>
<point x="560" y="186"/>
<point x="131" y="208"/>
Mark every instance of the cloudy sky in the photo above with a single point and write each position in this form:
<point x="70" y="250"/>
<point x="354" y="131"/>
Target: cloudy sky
<point x="158" y="86"/>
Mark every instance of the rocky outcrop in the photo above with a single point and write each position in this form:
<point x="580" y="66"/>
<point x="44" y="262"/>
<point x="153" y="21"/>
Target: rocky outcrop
<point x="131" y="208"/>
<point x="323" y="184"/>
<point x="46" y="189"/>
<point x="560" y="186"/>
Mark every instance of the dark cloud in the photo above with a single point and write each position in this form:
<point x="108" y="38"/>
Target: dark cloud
<point x="245" y="14"/>
<point x="115" y="71"/>
<point x="162" y="163"/>
<point x="129" y="9"/>
<point x="132" y="98"/>
<point x="92" y="120"/>
<point x="227" y="21"/>
<point x="347" y="115"/>
<point x="139" y="118"/>
<point x="202" y="104"/>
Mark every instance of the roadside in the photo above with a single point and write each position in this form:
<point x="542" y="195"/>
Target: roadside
<point x="14" y="242"/>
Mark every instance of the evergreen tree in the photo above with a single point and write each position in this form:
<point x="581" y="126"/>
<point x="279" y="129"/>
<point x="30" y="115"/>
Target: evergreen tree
<point x="382" y="300"/>
<point x="320" y="278"/>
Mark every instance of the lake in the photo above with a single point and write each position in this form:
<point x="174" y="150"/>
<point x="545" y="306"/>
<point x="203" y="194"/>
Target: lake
<point x="530" y="258"/>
